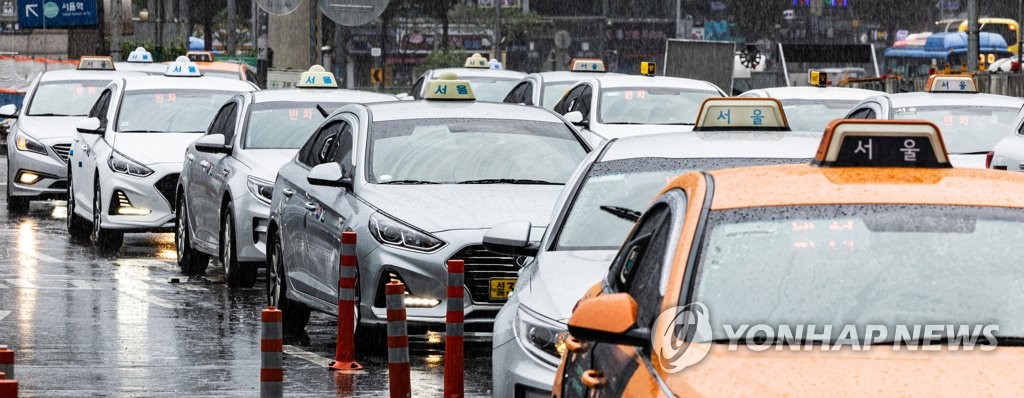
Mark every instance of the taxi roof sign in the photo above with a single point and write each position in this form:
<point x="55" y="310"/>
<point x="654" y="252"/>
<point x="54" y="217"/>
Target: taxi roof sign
<point x="741" y="113"/>
<point x="817" y="78"/>
<point x="587" y="65"/>
<point x="951" y="84"/>
<point x="317" y="77"/>
<point x="140" y="55"/>
<point x="448" y="87"/>
<point x="882" y="143"/>
<point x="200" y="56"/>
<point x="95" y="62"/>
<point x="182" y="67"/>
<point x="477" y="61"/>
<point x="648" y="68"/>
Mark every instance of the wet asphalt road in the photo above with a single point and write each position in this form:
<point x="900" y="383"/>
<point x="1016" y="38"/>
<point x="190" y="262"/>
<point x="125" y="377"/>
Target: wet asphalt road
<point x="86" y="324"/>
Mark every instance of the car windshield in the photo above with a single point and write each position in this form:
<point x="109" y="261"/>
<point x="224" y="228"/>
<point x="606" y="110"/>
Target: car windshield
<point x="651" y="105"/>
<point x="490" y="89"/>
<point x="814" y="115"/>
<point x="448" y="151"/>
<point x="222" y="74"/>
<point x="965" y="129"/>
<point x="629" y="184"/>
<point x="554" y="92"/>
<point x="169" y="110"/>
<point x="855" y="265"/>
<point x="65" y="98"/>
<point x="282" y="124"/>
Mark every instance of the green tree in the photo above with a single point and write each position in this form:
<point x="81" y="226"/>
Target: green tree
<point x="516" y="26"/>
<point x="438" y="10"/>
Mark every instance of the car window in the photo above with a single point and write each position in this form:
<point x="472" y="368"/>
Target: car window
<point x="344" y="146"/>
<point x="566" y="103"/>
<point x="224" y="122"/>
<point x="1020" y="129"/>
<point x="514" y="96"/>
<point x="99" y="109"/>
<point x="863" y="113"/>
<point x="650" y="105"/>
<point x="169" y="110"/>
<point x="252" y="78"/>
<point x="583" y="104"/>
<point x="283" y="124"/>
<point x="965" y="129"/>
<point x="417" y="88"/>
<point x="553" y="92"/>
<point x="65" y="98"/>
<point x="637" y="268"/>
<point x="322" y="148"/>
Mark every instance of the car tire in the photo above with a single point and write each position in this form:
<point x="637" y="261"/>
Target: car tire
<point x="106" y="240"/>
<point x="78" y="227"/>
<point x="295" y="315"/>
<point x="15" y="205"/>
<point x="236" y="273"/>
<point x="190" y="261"/>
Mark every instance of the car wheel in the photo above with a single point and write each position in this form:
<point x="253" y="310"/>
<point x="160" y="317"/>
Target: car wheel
<point x="78" y="227"/>
<point x="190" y="261"/>
<point x="15" y="204"/>
<point x="237" y="274"/>
<point x="295" y="315"/>
<point x="106" y="240"/>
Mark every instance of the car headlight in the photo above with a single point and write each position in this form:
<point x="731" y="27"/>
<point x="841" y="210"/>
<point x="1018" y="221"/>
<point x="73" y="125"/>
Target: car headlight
<point x="124" y="165"/>
<point x="394" y="233"/>
<point x="261" y="189"/>
<point x="24" y="143"/>
<point x="542" y="337"/>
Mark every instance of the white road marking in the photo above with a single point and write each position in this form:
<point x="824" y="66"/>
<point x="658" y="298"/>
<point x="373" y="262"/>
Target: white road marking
<point x="4" y="314"/>
<point x="138" y="289"/>
<point x="308" y="356"/>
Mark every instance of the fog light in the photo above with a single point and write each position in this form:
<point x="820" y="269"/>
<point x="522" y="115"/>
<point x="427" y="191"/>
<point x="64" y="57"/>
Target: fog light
<point x="420" y="302"/>
<point x="125" y="208"/>
<point x="28" y="177"/>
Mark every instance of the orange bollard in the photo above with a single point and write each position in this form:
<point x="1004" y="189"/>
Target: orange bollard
<point x="3" y="375"/>
<point x="453" y="338"/>
<point x="271" y="354"/>
<point x="8" y="389"/>
<point x="398" y="341"/>
<point x="345" y="347"/>
<point x="7" y="361"/>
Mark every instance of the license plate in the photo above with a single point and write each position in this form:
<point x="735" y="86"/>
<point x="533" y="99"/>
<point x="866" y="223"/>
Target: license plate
<point x="501" y="288"/>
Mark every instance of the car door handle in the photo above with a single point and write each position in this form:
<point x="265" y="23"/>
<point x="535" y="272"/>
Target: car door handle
<point x="205" y="163"/>
<point x="287" y="192"/>
<point x="1020" y="165"/>
<point x="85" y="147"/>
<point x="191" y="156"/>
<point x="311" y="206"/>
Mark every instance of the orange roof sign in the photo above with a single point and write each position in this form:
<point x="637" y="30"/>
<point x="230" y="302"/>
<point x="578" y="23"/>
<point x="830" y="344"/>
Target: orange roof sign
<point x="882" y="143"/>
<point x="735" y="113"/>
<point x="951" y="84"/>
<point x="587" y="65"/>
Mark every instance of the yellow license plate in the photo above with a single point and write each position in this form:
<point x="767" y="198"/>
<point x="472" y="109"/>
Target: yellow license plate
<point x="501" y="288"/>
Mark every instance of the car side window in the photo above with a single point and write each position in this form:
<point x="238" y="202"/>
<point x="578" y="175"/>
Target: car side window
<point x="517" y="96"/>
<point x="228" y="126"/>
<point x="217" y="125"/>
<point x="345" y="147"/>
<point x="583" y="104"/>
<point x="99" y="108"/>
<point x="323" y="145"/>
<point x="252" y="78"/>
<point x="1020" y="129"/>
<point x="864" y="113"/>
<point x="416" y="88"/>
<point x="567" y="102"/>
<point x="526" y="94"/>
<point x="637" y="267"/>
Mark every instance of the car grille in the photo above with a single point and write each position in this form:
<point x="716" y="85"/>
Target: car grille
<point x="481" y="266"/>
<point x="63" y="151"/>
<point x="166" y="187"/>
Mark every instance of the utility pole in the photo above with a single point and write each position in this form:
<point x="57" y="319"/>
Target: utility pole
<point x="115" y="29"/>
<point x="972" y="36"/>
<point x="1020" y="46"/>
<point x="160" y="16"/>
<point x="232" y="17"/>
<point x="679" y="19"/>
<point x="497" y="30"/>
<point x="262" y="53"/>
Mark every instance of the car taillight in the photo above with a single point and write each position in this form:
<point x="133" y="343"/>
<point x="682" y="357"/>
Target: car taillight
<point x="1015" y="66"/>
<point x="988" y="159"/>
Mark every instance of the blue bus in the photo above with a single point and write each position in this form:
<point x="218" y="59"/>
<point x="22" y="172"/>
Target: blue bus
<point x="941" y="49"/>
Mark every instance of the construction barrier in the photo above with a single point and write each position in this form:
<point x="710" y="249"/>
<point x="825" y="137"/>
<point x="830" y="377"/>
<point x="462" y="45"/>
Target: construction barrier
<point x="344" y="352"/>
<point x="17" y="73"/>
<point x="272" y="354"/>
<point x="8" y="388"/>
<point x="453" y="339"/>
<point x="7" y="362"/>
<point x="398" y="341"/>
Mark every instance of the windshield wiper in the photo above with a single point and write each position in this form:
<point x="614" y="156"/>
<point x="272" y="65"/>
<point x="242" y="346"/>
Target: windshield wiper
<point x="407" y="182"/>
<point x="969" y="153"/>
<point x="623" y="123"/>
<point x="509" y="181"/>
<point x="676" y="124"/>
<point x="623" y="213"/>
<point x="141" y="131"/>
<point x="53" y="114"/>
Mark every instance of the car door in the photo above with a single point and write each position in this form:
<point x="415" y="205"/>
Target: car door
<point x="1008" y="154"/>
<point x="85" y="146"/>
<point x="205" y="176"/>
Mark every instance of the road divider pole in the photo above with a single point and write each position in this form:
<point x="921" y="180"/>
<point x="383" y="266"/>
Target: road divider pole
<point x="453" y="338"/>
<point x="398" y="341"/>
<point x="8" y="388"/>
<point x="272" y="354"/>
<point x="344" y="352"/>
<point x="7" y="362"/>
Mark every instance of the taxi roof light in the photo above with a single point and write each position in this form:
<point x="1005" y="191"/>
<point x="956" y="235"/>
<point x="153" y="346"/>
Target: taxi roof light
<point x="317" y="77"/>
<point x="817" y="78"/>
<point x="448" y="87"/>
<point x="182" y="67"/>
<point x="741" y="113"/>
<point x="200" y="56"/>
<point x="951" y="84"/>
<point x="587" y="65"/>
<point x="477" y="61"/>
<point x="95" y="62"/>
<point x="882" y="143"/>
<point x="648" y="68"/>
<point x="140" y="55"/>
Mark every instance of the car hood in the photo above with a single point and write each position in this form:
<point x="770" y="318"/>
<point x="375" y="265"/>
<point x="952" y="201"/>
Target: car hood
<point x="550" y="293"/>
<point x="967" y="161"/>
<point x="153" y="148"/>
<point x="436" y="208"/>
<point x="47" y="127"/>
<point x="264" y="163"/>
<point x="609" y="131"/>
<point x="880" y="371"/>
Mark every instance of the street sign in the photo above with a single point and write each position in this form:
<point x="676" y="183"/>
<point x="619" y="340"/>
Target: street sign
<point x="279" y="7"/>
<point x="352" y="12"/>
<point x="56" y="14"/>
<point x="7" y="11"/>
<point x="376" y="75"/>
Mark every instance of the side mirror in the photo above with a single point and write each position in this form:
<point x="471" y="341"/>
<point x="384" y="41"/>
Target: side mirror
<point x="8" y="111"/>
<point x="89" y="125"/>
<point x="329" y="175"/>
<point x="512" y="238"/>
<point x="576" y="118"/>
<point x="608" y="318"/>
<point x="213" y="143"/>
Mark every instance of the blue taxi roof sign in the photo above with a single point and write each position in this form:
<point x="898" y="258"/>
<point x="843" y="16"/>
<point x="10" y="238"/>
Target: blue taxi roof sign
<point x="317" y="77"/>
<point x="741" y="113"/>
<point x="587" y="65"/>
<point x="477" y="61"/>
<point x="448" y="87"/>
<point x="882" y="143"/>
<point x="95" y="62"/>
<point x="140" y="55"/>
<point x="200" y="56"/>
<point x="951" y="84"/>
<point x="182" y="67"/>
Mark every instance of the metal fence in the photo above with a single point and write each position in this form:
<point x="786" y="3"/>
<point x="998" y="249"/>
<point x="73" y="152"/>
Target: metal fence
<point x="1010" y="84"/>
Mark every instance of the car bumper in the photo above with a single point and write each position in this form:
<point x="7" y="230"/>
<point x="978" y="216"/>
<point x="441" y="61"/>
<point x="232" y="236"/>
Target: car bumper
<point x="251" y="219"/>
<point x="154" y="193"/>
<point x="52" y="169"/>
<point x="516" y="372"/>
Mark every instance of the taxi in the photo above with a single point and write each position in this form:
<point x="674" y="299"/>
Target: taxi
<point x="614" y="106"/>
<point x="874" y="232"/>
<point x="546" y="88"/>
<point x="489" y="83"/>
<point x="600" y="204"/>
<point x="126" y="157"/>
<point x="971" y="122"/>
<point x="224" y="69"/>
<point x="420" y="182"/>
<point x="140" y="60"/>
<point x="1008" y="154"/>
<point x="812" y="108"/>
<point x="227" y="180"/>
<point x="40" y="139"/>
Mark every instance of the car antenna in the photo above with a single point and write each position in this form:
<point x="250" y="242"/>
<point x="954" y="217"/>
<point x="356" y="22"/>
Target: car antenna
<point x="322" y="110"/>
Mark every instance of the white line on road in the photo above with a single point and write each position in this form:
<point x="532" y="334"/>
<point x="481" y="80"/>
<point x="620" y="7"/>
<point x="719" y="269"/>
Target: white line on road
<point x="306" y="355"/>
<point x="4" y="314"/>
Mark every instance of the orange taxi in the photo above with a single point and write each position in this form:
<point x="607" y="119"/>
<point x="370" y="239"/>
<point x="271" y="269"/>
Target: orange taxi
<point x="875" y="270"/>
<point x="228" y="70"/>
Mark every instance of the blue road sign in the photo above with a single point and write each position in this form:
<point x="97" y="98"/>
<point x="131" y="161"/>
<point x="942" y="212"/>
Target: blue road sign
<point x="57" y="13"/>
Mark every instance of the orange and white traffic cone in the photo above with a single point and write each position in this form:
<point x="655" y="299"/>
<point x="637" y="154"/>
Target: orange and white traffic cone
<point x="453" y="339"/>
<point x="344" y="352"/>
<point x="272" y="354"/>
<point x="398" y="341"/>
